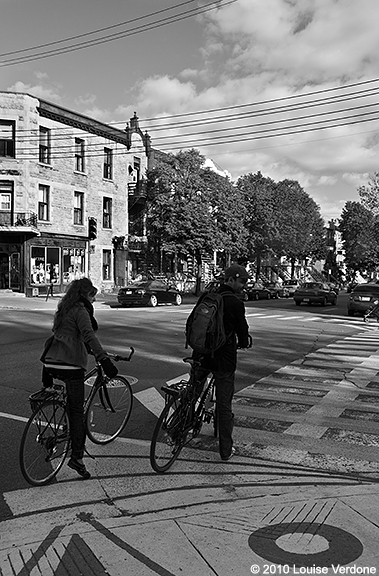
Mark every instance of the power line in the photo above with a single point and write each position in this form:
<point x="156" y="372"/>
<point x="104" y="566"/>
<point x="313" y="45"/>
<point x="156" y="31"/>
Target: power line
<point x="61" y="133"/>
<point x="95" y="31"/>
<point x="261" y="134"/>
<point x="118" y="35"/>
<point x="181" y="136"/>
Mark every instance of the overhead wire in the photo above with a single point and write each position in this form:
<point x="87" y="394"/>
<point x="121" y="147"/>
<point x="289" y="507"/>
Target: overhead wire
<point x="84" y="34"/>
<point x="217" y="4"/>
<point x="181" y="139"/>
<point x="370" y="92"/>
<point x="301" y="128"/>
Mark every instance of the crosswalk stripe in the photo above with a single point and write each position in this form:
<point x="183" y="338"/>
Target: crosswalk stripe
<point x="151" y="399"/>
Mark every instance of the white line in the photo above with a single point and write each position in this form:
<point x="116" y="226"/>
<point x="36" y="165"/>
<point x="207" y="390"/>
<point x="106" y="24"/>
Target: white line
<point x="256" y="314"/>
<point x="151" y="399"/>
<point x="13" y="417"/>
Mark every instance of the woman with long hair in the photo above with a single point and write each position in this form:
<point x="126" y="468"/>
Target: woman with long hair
<point x="66" y="359"/>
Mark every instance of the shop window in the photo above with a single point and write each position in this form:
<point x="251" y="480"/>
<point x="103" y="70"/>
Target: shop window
<point x="7" y="138"/>
<point x="44" y="145"/>
<point x="78" y="207"/>
<point x="73" y="264"/>
<point x="108" y="164"/>
<point x="79" y="154"/>
<point x="43" y="202"/>
<point x="107" y="212"/>
<point x="106" y="264"/>
<point x="6" y="199"/>
<point x="44" y="265"/>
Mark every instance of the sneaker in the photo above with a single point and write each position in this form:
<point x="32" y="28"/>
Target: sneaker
<point x="230" y="455"/>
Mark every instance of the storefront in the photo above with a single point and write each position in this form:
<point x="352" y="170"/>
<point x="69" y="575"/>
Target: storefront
<point x="54" y="261"/>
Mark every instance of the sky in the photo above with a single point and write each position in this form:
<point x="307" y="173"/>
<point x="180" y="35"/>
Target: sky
<point x="285" y="87"/>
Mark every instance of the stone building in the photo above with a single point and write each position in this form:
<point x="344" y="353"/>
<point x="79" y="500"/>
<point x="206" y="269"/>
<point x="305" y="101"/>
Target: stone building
<point x="60" y="170"/>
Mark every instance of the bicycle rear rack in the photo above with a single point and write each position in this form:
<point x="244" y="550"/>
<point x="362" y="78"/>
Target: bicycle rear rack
<point x="38" y="398"/>
<point x="175" y="389"/>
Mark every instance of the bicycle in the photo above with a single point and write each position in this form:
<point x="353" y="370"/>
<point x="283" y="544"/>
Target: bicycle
<point x="181" y="419"/>
<point x="45" y="440"/>
<point x="372" y="311"/>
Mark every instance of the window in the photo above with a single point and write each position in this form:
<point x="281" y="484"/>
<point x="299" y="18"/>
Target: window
<point x="5" y="201"/>
<point x="7" y="138"/>
<point x="108" y="163"/>
<point x="79" y="154"/>
<point x="78" y="207"/>
<point x="43" y="202"/>
<point x="107" y="212"/>
<point x="44" y="145"/>
<point x="106" y="264"/>
<point x="6" y="197"/>
<point x="44" y="265"/>
<point x="73" y="264"/>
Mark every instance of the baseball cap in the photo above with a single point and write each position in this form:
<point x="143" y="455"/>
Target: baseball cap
<point x="236" y="271"/>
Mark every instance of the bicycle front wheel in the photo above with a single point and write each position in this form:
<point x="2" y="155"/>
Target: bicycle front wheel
<point x="44" y="443"/>
<point x="109" y="410"/>
<point x="169" y="435"/>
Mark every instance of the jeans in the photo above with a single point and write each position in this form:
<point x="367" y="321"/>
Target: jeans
<point x="74" y="380"/>
<point x="223" y="367"/>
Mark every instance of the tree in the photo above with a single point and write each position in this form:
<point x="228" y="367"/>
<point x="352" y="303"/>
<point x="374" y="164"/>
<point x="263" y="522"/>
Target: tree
<point x="359" y="230"/>
<point x="191" y="210"/>
<point x="369" y="195"/>
<point x="299" y="223"/>
<point x="259" y="208"/>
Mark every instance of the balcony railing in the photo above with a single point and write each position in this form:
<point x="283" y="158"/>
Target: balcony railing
<point x="25" y="219"/>
<point x="137" y="243"/>
<point x="137" y="189"/>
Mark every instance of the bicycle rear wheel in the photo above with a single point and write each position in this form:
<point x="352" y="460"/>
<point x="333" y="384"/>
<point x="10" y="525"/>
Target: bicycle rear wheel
<point x="109" y="410"/>
<point x="44" y="443"/>
<point x="169" y="435"/>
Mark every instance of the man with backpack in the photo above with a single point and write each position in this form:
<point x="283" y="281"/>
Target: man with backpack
<point x="218" y="351"/>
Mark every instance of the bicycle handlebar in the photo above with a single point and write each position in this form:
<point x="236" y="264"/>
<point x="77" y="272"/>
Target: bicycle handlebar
<point x="119" y="358"/>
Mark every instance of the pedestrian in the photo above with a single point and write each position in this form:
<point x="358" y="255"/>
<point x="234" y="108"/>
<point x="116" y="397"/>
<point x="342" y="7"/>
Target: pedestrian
<point x="223" y="362"/>
<point x="66" y="355"/>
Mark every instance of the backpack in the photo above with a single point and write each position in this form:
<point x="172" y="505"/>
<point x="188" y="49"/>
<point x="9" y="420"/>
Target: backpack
<point x="205" y="331"/>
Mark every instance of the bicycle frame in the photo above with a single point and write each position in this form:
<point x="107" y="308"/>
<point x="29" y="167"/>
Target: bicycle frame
<point x="192" y="410"/>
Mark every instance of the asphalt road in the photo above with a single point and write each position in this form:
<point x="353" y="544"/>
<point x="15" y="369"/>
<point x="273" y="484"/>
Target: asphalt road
<point x="282" y="332"/>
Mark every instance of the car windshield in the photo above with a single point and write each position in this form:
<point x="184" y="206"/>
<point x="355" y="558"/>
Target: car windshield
<point x="311" y="285"/>
<point x="367" y="288"/>
<point x="140" y="285"/>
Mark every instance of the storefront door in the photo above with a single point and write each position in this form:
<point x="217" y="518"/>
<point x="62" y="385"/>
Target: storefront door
<point x="4" y="270"/>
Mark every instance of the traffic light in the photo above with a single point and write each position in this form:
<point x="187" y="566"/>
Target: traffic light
<point x="92" y="228"/>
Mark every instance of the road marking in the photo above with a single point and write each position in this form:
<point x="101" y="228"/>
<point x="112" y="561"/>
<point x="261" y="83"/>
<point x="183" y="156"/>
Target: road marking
<point x="13" y="417"/>
<point x="151" y="399"/>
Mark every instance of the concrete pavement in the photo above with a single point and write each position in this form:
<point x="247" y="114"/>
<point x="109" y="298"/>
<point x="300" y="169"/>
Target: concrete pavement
<point x="203" y="518"/>
<point x="315" y="512"/>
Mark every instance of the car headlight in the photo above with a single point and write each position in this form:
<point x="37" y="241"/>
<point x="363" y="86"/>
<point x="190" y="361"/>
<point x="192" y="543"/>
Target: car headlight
<point x="142" y="292"/>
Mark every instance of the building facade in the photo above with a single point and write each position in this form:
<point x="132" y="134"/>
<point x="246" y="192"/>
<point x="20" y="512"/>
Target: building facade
<point x="65" y="184"/>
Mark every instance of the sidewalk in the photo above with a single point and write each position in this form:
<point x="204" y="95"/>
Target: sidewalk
<point x="15" y="301"/>
<point x="203" y="518"/>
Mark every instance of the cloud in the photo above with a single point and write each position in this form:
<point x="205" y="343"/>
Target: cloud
<point x="37" y="90"/>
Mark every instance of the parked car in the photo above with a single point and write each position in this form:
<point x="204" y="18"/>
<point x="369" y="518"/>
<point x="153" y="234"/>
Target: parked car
<point x="362" y="297"/>
<point x="274" y="288"/>
<point x="215" y="285"/>
<point x="315" y="293"/>
<point x="256" y="291"/>
<point x="288" y="287"/>
<point x="150" y="293"/>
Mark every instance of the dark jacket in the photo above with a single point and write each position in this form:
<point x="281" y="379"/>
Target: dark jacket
<point x="234" y="317"/>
